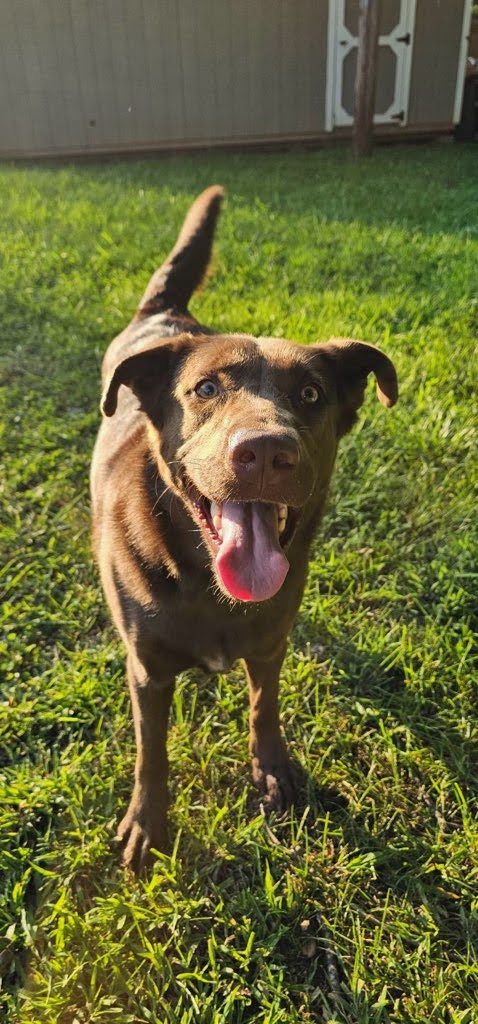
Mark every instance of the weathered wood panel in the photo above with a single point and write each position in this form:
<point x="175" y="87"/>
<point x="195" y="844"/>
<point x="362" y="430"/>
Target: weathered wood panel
<point x="106" y="74"/>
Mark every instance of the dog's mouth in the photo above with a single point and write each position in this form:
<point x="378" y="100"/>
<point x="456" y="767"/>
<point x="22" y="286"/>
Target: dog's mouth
<point x="247" y="541"/>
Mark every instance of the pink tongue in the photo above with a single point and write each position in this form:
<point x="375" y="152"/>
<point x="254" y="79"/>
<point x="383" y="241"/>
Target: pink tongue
<point x="250" y="562"/>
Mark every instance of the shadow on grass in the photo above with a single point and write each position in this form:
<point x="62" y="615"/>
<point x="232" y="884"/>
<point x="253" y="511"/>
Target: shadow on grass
<point x="385" y="691"/>
<point x="420" y="188"/>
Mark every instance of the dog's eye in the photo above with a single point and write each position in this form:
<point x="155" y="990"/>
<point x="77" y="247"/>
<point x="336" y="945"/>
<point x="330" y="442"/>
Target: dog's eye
<point x="206" y="389"/>
<point x="309" y="394"/>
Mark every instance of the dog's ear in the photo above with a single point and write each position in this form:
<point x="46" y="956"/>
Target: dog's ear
<point x="142" y="372"/>
<point x="351" y="362"/>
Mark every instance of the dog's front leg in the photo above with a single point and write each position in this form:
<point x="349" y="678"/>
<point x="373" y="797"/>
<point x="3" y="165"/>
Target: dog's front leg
<point x="144" y="826"/>
<point x="271" y="770"/>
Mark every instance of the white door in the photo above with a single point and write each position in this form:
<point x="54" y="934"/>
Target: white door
<point x="394" y="61"/>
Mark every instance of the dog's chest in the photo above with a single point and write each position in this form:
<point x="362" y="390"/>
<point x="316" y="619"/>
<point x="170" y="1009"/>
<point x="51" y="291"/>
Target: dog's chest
<point x="212" y="646"/>
<point x="208" y="635"/>
<point x="217" y="661"/>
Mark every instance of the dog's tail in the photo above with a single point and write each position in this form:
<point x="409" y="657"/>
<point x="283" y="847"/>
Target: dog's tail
<point x="172" y="285"/>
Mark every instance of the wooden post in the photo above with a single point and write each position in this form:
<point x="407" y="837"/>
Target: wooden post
<point x="365" y="80"/>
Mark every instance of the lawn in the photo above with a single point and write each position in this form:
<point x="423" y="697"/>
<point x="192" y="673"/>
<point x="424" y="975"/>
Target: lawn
<point x="363" y="908"/>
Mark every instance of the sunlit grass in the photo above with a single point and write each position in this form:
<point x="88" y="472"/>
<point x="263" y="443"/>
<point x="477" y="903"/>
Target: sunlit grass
<point x="363" y="909"/>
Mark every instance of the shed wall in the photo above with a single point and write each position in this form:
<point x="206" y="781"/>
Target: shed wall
<point x="86" y="75"/>
<point x="108" y="74"/>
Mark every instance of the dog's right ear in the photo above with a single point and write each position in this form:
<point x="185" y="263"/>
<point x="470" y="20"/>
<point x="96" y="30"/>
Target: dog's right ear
<point x="142" y="372"/>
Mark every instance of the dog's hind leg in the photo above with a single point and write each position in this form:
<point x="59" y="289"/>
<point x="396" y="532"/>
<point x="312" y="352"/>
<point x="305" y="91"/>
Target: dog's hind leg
<point x="145" y="826"/>
<point x="271" y="770"/>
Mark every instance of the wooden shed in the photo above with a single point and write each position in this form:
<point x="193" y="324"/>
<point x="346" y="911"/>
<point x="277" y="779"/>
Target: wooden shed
<point x="105" y="76"/>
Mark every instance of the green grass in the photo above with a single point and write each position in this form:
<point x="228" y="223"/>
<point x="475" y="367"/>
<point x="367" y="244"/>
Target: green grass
<point x="364" y="907"/>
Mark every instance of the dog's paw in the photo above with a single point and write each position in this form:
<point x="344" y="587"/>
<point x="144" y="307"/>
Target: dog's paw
<point x="138" y="834"/>
<point x="275" y="782"/>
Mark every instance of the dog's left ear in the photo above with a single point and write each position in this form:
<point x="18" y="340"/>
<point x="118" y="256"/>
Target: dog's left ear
<point x="351" y="362"/>
<point x="143" y="372"/>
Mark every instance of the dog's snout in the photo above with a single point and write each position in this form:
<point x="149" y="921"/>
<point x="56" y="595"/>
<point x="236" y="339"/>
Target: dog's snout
<point x="263" y="457"/>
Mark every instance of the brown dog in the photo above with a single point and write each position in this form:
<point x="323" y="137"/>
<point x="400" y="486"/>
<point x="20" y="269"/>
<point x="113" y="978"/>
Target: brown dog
<point x="209" y="479"/>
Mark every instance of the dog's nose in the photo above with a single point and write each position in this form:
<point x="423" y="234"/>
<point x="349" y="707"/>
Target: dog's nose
<point x="263" y="458"/>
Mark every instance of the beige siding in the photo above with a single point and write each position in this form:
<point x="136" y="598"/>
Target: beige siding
<point x="438" y="28"/>
<point x="86" y="75"/>
<point x="107" y="74"/>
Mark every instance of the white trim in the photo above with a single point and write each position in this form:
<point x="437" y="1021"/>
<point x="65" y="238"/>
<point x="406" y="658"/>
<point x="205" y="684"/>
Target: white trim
<point x="460" y="77"/>
<point x="342" y="47"/>
<point x="406" y="76"/>
<point x="330" y="72"/>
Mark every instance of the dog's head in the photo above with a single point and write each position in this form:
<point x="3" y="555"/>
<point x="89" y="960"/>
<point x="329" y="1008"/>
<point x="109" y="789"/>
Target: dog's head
<point x="245" y="431"/>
